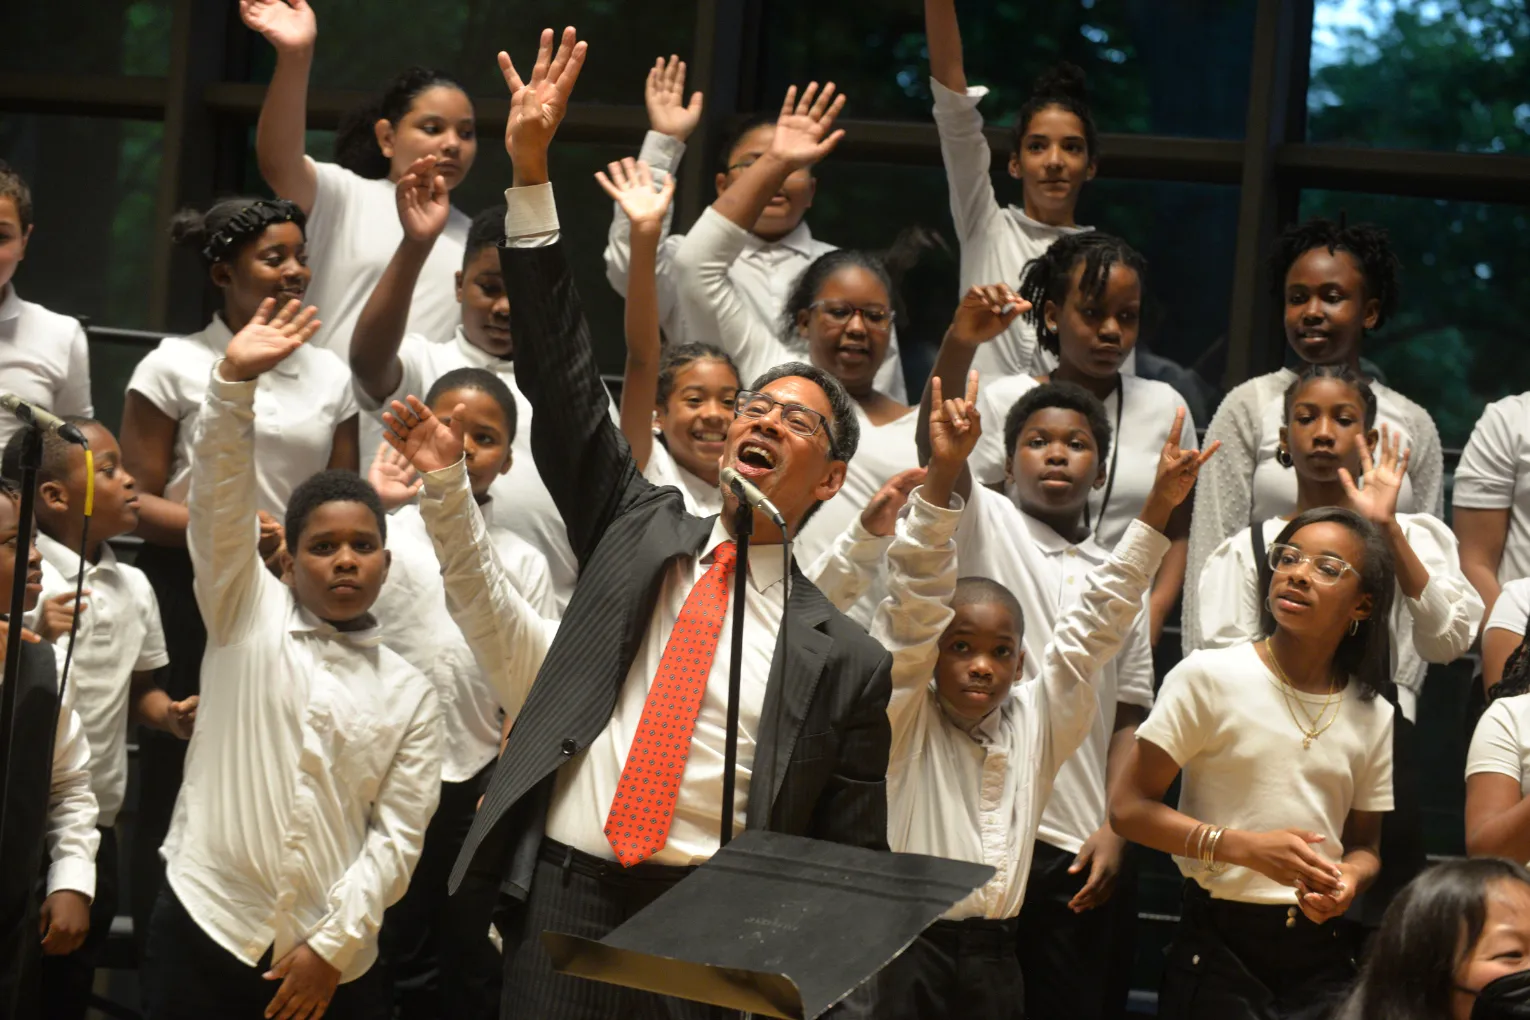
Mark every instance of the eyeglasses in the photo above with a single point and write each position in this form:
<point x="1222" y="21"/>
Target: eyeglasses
<point x="802" y="420"/>
<point x="878" y="318"/>
<point x="1325" y="569"/>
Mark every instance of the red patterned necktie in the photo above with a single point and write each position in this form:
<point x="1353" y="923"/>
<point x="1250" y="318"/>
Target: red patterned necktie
<point x="644" y="805"/>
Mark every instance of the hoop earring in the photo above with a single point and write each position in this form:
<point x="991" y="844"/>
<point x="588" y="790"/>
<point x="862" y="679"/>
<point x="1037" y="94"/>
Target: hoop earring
<point x="1354" y="627"/>
<point x="1282" y="456"/>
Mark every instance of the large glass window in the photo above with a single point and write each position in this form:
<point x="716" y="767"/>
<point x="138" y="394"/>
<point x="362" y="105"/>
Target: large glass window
<point x="1132" y="51"/>
<point x="1457" y="341"/>
<point x="1421" y="74"/>
<point x="104" y="37"/>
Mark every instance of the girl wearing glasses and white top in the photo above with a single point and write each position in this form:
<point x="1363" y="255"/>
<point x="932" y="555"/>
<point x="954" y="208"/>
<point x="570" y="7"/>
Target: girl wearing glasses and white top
<point x="1056" y="150"/>
<point x="1285" y="753"/>
<point x="1085" y="293"/>
<point x="1327" y="442"/>
<point x="841" y="307"/>
<point x="352" y="226"/>
<point x="777" y="248"/>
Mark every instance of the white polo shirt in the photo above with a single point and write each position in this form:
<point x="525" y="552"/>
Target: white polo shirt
<point x="352" y="232"/>
<point x="1494" y="474"/>
<point x="43" y="360"/>
<point x="298" y="406"/>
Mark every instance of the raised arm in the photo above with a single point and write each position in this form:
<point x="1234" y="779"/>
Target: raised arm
<point x="223" y="536"/>
<point x="423" y="209"/>
<point x="291" y="29"/>
<point x="631" y="185"/>
<point x="944" y="37"/>
<point x="846" y="569"/>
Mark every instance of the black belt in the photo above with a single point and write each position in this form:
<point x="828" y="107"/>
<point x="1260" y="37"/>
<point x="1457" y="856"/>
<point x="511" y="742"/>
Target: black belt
<point x="973" y="932"/>
<point x="578" y="862"/>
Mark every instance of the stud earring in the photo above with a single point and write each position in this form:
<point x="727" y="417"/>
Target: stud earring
<point x="1283" y="456"/>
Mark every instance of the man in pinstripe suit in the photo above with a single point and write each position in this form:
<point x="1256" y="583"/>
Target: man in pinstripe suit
<point x="813" y="739"/>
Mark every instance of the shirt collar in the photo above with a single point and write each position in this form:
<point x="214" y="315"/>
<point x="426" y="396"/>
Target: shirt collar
<point x="1039" y="227"/>
<point x="477" y="357"/>
<point x="216" y="335"/>
<point x="67" y="561"/>
<point x="799" y="240"/>
<point x="10" y="307"/>
<point x="1053" y="544"/>
<point x="764" y="560"/>
<point x="304" y="622"/>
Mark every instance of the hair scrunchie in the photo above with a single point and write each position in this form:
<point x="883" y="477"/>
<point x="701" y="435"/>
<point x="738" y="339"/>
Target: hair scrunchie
<point x="248" y="222"/>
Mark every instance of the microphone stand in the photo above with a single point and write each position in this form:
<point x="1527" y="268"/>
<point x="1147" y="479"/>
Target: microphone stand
<point x="743" y="527"/>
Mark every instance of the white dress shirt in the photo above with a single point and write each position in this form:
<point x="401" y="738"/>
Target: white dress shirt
<point x="1048" y="575"/>
<point x="352" y="231"/>
<point x="43" y="360"/>
<point x="1494" y="474"/>
<point x="1140" y="412"/>
<point x="975" y="792"/>
<point x="316" y="761"/>
<point x="702" y="498"/>
<point x="1501" y="742"/>
<point x="412" y="613"/>
<point x="527" y="507"/>
<point x="119" y="635"/>
<point x="996" y="241"/>
<point x="1438" y="626"/>
<point x="763" y="273"/>
<point x="298" y="406"/>
<point x="1223" y="718"/>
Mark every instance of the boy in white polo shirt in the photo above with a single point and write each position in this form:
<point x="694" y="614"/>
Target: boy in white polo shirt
<point x="118" y="645"/>
<point x="42" y="354"/>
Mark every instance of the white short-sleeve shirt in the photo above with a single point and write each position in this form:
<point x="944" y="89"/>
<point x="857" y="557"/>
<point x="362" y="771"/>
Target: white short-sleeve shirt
<point x="119" y="634"/>
<point x="1494" y="474"/>
<point x="352" y="232"/>
<point x="298" y="406"/>
<point x="1501" y="742"/>
<point x="1048" y="575"/>
<point x="1512" y="609"/>
<point x="43" y="360"/>
<point x="1225" y="720"/>
<point x="702" y="498"/>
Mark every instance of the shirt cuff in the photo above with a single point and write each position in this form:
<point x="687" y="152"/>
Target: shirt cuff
<point x="531" y="216"/>
<point x="929" y="524"/>
<point x="233" y="392"/>
<point x="334" y="947"/>
<point x="661" y="152"/>
<point x="1433" y="603"/>
<point x="950" y="99"/>
<point x="441" y="482"/>
<point x="1142" y="547"/>
<point x="73" y="873"/>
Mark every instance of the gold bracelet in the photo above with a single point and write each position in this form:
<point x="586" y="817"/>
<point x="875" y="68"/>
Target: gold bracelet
<point x="1190" y="837"/>
<point x="1212" y="864"/>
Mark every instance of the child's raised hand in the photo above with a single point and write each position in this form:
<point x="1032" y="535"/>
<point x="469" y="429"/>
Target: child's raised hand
<point x="630" y="186"/>
<point x="1177" y="470"/>
<point x="538" y="106"/>
<point x="803" y="131"/>
<point x="664" y="95"/>
<point x="881" y="515"/>
<point x="423" y="205"/>
<point x="426" y="441"/>
<point x="984" y="312"/>
<point x="394" y="478"/>
<point x="267" y="339"/>
<point x="955" y="425"/>
<point x="1381" y="478"/>
<point x="286" y="24"/>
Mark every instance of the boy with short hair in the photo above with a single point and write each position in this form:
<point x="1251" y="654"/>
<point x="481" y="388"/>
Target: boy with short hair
<point x="43" y="358"/>
<point x="118" y="645"/>
<point x="49" y="804"/>
<point x="316" y="761"/>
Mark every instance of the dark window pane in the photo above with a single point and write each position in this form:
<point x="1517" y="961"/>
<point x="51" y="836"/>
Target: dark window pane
<point x="103" y="37"/>
<point x="1132" y="50"/>
<point x="1457" y="341"/>
<point x="363" y="43"/>
<point x="1421" y="74"/>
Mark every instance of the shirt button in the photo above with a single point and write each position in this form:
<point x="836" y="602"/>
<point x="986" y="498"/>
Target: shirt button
<point x="1195" y="961"/>
<point x="569" y="745"/>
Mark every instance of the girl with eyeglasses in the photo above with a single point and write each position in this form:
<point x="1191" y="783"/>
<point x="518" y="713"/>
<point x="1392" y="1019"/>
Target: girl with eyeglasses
<point x="1284" y="752"/>
<point x="840" y="308"/>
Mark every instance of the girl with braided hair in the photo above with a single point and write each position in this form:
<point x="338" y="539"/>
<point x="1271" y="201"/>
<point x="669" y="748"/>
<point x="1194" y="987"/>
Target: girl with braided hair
<point x="1335" y="283"/>
<point x="254" y="250"/>
<point x="353" y="228"/>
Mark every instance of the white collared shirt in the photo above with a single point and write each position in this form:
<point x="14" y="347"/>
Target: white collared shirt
<point x="43" y="360"/>
<point x="763" y="273"/>
<point x="976" y="792"/>
<point x="1048" y="575"/>
<point x="412" y="613"/>
<point x="702" y="498"/>
<point x="1140" y="413"/>
<point x="527" y="507"/>
<point x="352" y="232"/>
<point x="298" y="404"/>
<point x="1438" y="626"/>
<point x="1494" y="474"/>
<point x="1231" y="728"/>
<point x="119" y="635"/>
<point x="316" y="761"/>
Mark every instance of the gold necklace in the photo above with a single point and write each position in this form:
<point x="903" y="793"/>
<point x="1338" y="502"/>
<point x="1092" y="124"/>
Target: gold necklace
<point x="1312" y="730"/>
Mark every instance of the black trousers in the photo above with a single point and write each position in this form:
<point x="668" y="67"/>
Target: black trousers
<point x="67" y="980"/>
<point x="188" y="976"/>
<point x="436" y="946"/>
<point x="955" y="969"/>
<point x="1242" y="961"/>
<point x="1076" y="966"/>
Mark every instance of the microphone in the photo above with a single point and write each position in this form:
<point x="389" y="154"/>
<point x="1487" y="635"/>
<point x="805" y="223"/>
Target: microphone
<point x="41" y="419"/>
<point x="748" y="492"/>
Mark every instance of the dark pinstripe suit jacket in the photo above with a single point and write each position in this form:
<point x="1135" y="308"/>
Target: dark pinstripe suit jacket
<point x="821" y="754"/>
